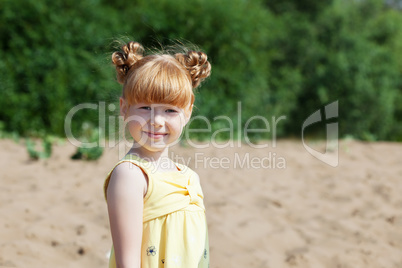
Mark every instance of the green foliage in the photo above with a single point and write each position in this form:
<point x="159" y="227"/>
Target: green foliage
<point x="34" y="154"/>
<point x="344" y="54"/>
<point x="278" y="58"/>
<point x="90" y="138"/>
<point x="51" y="60"/>
<point x="309" y="7"/>
<point x="347" y="52"/>
<point x="8" y="135"/>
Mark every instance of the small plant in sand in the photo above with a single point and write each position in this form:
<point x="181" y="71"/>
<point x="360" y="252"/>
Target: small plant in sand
<point x="34" y="154"/>
<point x="89" y="135"/>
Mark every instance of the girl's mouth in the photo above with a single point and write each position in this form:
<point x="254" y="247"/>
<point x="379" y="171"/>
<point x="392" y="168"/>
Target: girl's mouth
<point x="155" y="135"/>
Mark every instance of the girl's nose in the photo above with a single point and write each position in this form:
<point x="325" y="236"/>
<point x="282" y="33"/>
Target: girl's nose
<point x="157" y="120"/>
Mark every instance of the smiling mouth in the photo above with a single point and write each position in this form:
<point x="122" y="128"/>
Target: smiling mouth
<point x="155" y="135"/>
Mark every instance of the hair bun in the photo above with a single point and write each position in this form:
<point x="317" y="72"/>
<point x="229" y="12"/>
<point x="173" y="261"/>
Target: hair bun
<point x="197" y="64"/>
<point x="125" y="59"/>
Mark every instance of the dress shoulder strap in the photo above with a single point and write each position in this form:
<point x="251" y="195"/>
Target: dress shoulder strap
<point x="141" y="163"/>
<point x="185" y="170"/>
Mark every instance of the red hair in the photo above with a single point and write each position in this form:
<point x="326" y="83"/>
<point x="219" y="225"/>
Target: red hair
<point x="159" y="78"/>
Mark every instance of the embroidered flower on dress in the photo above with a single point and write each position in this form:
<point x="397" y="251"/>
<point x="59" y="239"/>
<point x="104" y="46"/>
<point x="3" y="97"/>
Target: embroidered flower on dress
<point x="205" y="254"/>
<point x="151" y="251"/>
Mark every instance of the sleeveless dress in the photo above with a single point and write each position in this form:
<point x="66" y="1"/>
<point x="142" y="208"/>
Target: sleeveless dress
<point x="175" y="232"/>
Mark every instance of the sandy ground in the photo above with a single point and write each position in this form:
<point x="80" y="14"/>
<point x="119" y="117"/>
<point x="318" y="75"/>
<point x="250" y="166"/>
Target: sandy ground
<point x="273" y="207"/>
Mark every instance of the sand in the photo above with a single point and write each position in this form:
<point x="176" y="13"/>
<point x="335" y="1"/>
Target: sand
<point x="290" y="210"/>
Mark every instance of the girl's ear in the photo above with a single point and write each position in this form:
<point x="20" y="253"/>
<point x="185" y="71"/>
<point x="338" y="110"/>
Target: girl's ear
<point x="123" y="107"/>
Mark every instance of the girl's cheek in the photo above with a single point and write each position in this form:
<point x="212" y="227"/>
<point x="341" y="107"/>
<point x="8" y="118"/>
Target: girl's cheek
<point x="181" y="122"/>
<point x="182" y="118"/>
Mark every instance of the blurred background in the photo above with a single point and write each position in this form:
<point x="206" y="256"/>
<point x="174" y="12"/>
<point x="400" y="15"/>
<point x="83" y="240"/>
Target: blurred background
<point x="278" y="58"/>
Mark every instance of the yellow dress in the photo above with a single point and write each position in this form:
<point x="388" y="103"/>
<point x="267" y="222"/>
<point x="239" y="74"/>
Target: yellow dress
<point x="175" y="232"/>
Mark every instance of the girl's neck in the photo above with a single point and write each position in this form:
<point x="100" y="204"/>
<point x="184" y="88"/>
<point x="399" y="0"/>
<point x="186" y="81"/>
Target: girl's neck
<point x="156" y="158"/>
<point x="149" y="155"/>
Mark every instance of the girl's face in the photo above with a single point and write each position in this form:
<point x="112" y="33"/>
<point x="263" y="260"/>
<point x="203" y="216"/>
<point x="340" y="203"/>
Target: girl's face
<point x="154" y="127"/>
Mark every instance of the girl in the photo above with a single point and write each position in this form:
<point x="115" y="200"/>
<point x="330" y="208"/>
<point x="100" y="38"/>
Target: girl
<point x="156" y="210"/>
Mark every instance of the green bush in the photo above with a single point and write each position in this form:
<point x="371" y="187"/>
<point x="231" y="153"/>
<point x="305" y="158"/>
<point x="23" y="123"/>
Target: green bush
<point x="35" y="154"/>
<point x="278" y="58"/>
<point x="344" y="54"/>
<point x="90" y="134"/>
<point x="52" y="58"/>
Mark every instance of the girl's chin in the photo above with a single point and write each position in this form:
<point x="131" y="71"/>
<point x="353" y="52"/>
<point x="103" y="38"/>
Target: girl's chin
<point x="154" y="145"/>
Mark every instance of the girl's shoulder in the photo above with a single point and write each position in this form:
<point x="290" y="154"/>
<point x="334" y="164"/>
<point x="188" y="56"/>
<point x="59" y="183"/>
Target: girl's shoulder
<point x="123" y="172"/>
<point x="125" y="178"/>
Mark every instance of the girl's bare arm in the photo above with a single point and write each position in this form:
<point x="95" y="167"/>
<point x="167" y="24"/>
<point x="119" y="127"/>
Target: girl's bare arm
<point x="125" y="196"/>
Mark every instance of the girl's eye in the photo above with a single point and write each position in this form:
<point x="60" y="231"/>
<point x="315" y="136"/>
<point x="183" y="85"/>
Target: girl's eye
<point x="145" y="108"/>
<point x="171" y="111"/>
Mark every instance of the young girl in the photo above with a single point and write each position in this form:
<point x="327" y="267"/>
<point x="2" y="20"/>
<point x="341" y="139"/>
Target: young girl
<point x="156" y="211"/>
